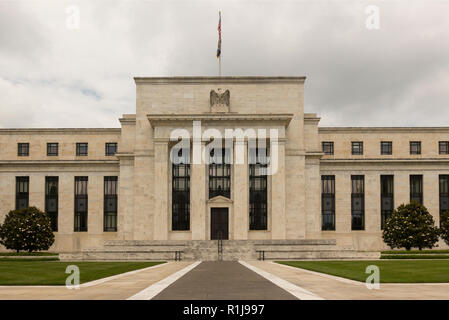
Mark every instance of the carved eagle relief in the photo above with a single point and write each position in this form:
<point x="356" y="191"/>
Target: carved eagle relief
<point x="219" y="102"/>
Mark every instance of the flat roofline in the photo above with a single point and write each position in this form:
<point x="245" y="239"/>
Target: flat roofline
<point x="59" y="130"/>
<point x="382" y="129"/>
<point x="218" y="79"/>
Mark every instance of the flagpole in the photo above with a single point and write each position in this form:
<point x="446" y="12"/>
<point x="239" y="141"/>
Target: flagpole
<point x="219" y="44"/>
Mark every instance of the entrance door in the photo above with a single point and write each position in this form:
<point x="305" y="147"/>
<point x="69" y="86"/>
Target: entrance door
<point x="219" y="224"/>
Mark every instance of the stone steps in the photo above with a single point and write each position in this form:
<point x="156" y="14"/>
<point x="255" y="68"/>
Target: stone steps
<point x="207" y="250"/>
<point x="325" y="254"/>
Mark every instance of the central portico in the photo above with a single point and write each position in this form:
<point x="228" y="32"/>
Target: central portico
<point x="199" y="200"/>
<point x="214" y="188"/>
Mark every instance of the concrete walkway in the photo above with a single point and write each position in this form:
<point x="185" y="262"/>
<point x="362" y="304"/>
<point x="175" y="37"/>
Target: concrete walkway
<point x="223" y="280"/>
<point x="330" y="287"/>
<point x="116" y="289"/>
<point x="226" y="281"/>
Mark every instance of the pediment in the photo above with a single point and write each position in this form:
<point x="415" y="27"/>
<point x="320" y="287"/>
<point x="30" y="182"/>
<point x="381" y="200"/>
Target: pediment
<point x="219" y="199"/>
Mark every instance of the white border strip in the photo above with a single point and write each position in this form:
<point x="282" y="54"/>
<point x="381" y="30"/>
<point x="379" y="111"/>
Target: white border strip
<point x="324" y="275"/>
<point x="151" y="291"/>
<point x="291" y="288"/>
<point x="121" y="275"/>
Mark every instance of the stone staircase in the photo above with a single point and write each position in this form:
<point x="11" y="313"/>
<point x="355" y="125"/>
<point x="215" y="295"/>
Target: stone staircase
<point x="207" y="250"/>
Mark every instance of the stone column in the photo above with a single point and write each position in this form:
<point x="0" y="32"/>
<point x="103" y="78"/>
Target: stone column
<point x="431" y="192"/>
<point x="125" y="198"/>
<point x="198" y="192"/>
<point x="241" y="193"/>
<point x="278" y="219"/>
<point x="37" y="191"/>
<point x="401" y="188"/>
<point x="161" y="213"/>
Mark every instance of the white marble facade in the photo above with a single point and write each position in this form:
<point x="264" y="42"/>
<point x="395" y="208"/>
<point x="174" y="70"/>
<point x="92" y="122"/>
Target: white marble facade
<point x="144" y="170"/>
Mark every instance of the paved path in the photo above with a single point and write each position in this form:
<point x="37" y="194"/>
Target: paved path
<point x="223" y="280"/>
<point x="330" y="287"/>
<point x="115" y="289"/>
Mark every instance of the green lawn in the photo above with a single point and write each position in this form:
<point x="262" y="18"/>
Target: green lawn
<point x="399" y="271"/>
<point x="26" y="272"/>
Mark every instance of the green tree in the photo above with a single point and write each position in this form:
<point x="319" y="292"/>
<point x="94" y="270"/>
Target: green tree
<point x="444" y="226"/>
<point x="27" y="229"/>
<point x="410" y="226"/>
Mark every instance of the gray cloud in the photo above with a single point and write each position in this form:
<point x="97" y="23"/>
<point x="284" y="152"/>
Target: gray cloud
<point x="51" y="76"/>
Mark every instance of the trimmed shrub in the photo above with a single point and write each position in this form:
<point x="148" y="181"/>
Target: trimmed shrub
<point x="410" y="226"/>
<point x="27" y="229"/>
<point x="444" y="226"/>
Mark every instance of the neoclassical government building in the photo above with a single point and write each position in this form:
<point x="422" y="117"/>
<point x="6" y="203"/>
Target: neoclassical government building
<point x="293" y="180"/>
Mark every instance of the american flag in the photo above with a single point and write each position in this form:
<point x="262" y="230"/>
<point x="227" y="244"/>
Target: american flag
<point x="219" y="36"/>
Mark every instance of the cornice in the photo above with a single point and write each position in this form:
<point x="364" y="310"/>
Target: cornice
<point x="381" y="160"/>
<point x="215" y="79"/>
<point x="17" y="131"/>
<point x="57" y="162"/>
<point x="155" y="119"/>
<point x="381" y="129"/>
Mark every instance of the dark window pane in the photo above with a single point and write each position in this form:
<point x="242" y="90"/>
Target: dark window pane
<point x="415" y="147"/>
<point x="444" y="193"/>
<point x="357" y="148"/>
<point x="327" y="202"/>
<point x="328" y="147"/>
<point x="52" y="149"/>
<point x="51" y="200"/>
<point x="181" y="190"/>
<point x="81" y="149"/>
<point x="387" y="197"/>
<point x="358" y="202"/>
<point x="219" y="173"/>
<point x="23" y="149"/>
<point x="111" y="148"/>
<point x="258" y="214"/>
<point x="443" y="147"/>
<point x="81" y="203"/>
<point x="386" y="147"/>
<point x="22" y="192"/>
<point x="416" y="188"/>
<point x="110" y="203"/>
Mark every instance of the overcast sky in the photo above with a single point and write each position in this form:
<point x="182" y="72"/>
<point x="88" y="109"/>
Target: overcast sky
<point x="53" y="74"/>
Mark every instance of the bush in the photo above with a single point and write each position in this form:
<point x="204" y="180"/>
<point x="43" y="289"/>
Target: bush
<point x="27" y="229"/>
<point x="444" y="226"/>
<point x="410" y="226"/>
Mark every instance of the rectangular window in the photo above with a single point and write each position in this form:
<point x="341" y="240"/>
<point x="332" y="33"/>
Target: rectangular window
<point x="23" y="149"/>
<point x="358" y="203"/>
<point x="22" y="192"/>
<point x="181" y="190"/>
<point x="51" y="200"/>
<point x="52" y="149"/>
<point x="444" y="193"/>
<point x="386" y="198"/>
<point x="110" y="204"/>
<point x="357" y="148"/>
<point x="386" y="147"/>
<point x="81" y="149"/>
<point x="111" y="148"/>
<point x="443" y="147"/>
<point x="258" y="213"/>
<point x="415" y="147"/>
<point x="81" y="204"/>
<point x="220" y="173"/>
<point x="328" y="147"/>
<point x="416" y="192"/>
<point x="327" y="202"/>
